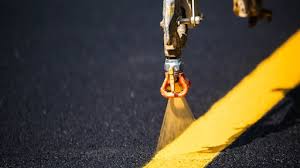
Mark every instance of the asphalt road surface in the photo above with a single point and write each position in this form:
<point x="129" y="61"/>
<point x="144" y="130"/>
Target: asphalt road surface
<point x="79" y="82"/>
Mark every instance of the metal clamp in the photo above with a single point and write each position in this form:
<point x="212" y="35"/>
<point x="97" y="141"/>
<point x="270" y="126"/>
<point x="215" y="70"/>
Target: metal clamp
<point x="193" y="20"/>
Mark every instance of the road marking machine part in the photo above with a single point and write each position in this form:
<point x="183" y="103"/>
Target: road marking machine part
<point x="167" y="89"/>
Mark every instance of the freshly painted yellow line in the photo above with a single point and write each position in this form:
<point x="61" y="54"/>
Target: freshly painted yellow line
<point x="244" y="105"/>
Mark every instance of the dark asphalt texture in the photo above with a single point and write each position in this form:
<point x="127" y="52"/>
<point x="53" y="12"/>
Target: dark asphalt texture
<point x="80" y="82"/>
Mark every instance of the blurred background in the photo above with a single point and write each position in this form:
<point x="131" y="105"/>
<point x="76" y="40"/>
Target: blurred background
<point x="80" y="79"/>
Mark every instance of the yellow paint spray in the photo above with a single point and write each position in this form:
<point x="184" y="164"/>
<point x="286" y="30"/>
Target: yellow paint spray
<point x="178" y="116"/>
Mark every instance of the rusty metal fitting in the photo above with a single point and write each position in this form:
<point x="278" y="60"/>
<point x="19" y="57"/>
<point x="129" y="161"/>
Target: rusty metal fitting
<point x="175" y="63"/>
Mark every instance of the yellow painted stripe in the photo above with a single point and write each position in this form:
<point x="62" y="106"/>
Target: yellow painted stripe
<point x="244" y="105"/>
